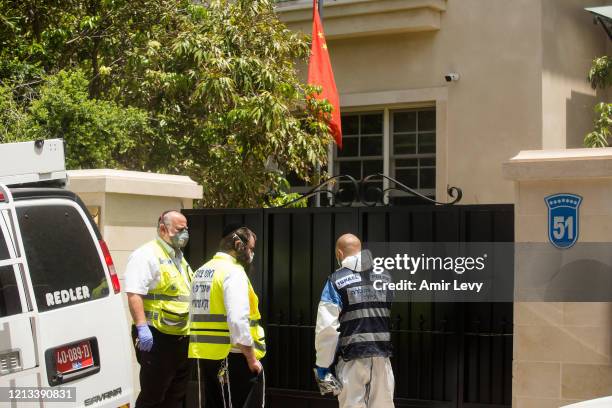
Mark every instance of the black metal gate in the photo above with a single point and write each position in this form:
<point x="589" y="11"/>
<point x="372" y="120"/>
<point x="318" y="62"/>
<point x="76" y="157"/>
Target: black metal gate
<point x="446" y="354"/>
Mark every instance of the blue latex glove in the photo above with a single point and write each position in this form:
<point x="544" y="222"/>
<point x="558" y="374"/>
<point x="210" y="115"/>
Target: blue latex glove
<point x="145" y="338"/>
<point x="328" y="384"/>
<point x="322" y="372"/>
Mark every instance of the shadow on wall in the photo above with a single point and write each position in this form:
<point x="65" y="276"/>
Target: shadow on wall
<point x="579" y="116"/>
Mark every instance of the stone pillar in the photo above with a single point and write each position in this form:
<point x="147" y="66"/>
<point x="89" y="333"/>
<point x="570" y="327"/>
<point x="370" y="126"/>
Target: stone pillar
<point x="561" y="350"/>
<point x="129" y="203"/>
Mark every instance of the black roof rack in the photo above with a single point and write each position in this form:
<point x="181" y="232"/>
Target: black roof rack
<point x="36" y="192"/>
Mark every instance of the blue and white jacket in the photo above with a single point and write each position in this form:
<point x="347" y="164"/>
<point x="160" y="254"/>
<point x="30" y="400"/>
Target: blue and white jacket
<point x="353" y="318"/>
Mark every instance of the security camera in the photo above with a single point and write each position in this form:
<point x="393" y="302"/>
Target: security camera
<point x="451" y="76"/>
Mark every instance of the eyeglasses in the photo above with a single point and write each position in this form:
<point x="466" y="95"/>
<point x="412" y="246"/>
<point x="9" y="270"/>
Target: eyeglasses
<point x="250" y="248"/>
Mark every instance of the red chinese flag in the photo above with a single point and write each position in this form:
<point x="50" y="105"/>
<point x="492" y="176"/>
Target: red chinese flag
<point x="320" y="73"/>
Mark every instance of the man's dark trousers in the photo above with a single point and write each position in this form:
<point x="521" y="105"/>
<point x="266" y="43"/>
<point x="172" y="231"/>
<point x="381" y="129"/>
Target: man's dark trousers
<point x="164" y="371"/>
<point x="246" y="387"/>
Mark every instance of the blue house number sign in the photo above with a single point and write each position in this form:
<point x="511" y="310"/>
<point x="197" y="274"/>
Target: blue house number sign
<point x="563" y="219"/>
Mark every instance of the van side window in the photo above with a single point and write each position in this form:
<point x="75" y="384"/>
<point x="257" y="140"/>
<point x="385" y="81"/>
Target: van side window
<point x="65" y="267"/>
<point x="10" y="302"/>
<point x="4" y="253"/>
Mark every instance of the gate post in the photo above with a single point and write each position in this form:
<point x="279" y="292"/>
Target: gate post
<point x="562" y="350"/>
<point x="128" y="204"/>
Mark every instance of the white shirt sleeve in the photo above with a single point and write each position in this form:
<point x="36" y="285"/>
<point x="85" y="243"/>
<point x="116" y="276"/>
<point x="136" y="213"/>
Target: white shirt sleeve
<point x="328" y="324"/>
<point x="326" y="333"/>
<point x="141" y="272"/>
<point x="236" y="300"/>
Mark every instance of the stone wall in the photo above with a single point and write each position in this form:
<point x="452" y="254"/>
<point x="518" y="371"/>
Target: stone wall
<point x="562" y="351"/>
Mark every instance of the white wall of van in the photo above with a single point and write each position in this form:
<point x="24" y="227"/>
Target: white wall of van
<point x="126" y="206"/>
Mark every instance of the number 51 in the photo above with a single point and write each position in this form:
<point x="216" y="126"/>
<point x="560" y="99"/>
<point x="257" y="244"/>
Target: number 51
<point x="562" y="224"/>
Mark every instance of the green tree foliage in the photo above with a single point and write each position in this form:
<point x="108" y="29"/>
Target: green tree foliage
<point x="600" y="76"/>
<point x="205" y="89"/>
<point x="12" y="118"/>
<point x="97" y="133"/>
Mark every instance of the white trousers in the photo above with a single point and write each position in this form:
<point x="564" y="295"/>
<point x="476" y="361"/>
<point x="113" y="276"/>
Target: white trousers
<point x="366" y="383"/>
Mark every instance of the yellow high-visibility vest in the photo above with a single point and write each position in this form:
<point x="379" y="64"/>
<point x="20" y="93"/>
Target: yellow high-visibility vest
<point x="209" y="335"/>
<point x="167" y="305"/>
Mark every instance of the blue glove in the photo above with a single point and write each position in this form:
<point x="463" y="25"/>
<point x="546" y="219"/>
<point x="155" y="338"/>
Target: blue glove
<point x="145" y="338"/>
<point x="328" y="384"/>
<point x="322" y="372"/>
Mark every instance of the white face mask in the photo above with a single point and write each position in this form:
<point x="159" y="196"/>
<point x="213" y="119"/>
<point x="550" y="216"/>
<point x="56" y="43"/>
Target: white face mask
<point x="251" y="257"/>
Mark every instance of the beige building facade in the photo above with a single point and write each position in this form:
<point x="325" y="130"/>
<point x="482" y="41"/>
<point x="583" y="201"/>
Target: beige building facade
<point x="522" y="85"/>
<point x="521" y="92"/>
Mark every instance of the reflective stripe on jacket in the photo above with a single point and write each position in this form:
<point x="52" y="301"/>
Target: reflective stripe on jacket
<point x="353" y="318"/>
<point x="167" y="305"/>
<point x="209" y="334"/>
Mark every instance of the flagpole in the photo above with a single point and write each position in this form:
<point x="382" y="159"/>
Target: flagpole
<point x="320" y="73"/>
<point x="318" y="166"/>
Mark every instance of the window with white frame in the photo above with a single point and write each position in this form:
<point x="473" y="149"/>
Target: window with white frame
<point x="400" y="143"/>
<point x="413" y="149"/>
<point x="362" y="141"/>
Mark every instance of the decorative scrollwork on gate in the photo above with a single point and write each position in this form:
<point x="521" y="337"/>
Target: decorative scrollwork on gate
<point x="366" y="192"/>
<point x="333" y="189"/>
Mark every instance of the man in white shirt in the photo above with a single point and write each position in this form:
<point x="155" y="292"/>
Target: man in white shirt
<point x="225" y="331"/>
<point x="158" y="283"/>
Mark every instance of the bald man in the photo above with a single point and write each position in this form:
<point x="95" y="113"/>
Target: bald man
<point x="158" y="285"/>
<point x="353" y="325"/>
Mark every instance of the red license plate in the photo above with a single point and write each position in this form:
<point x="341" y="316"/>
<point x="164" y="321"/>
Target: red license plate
<point x="73" y="357"/>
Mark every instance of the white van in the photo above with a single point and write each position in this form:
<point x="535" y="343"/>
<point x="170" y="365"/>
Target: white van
<point x="64" y="336"/>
